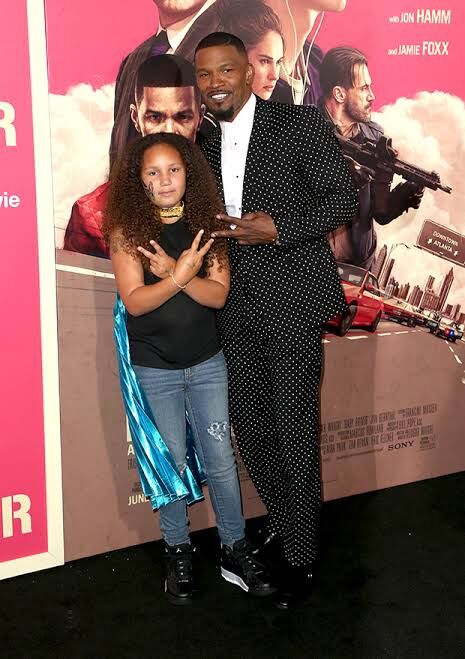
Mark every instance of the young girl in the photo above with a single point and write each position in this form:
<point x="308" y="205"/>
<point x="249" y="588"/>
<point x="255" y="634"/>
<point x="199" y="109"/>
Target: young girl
<point x="171" y="276"/>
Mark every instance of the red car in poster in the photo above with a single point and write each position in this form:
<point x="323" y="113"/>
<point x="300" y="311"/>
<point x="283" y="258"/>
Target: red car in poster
<point x="401" y="312"/>
<point x="363" y="296"/>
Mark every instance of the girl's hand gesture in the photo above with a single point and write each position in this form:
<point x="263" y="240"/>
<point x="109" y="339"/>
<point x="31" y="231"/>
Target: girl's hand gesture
<point x="190" y="261"/>
<point x="160" y="263"/>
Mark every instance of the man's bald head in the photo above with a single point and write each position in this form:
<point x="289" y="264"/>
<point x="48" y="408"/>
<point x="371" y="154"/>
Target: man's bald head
<point x="164" y="71"/>
<point x="166" y="98"/>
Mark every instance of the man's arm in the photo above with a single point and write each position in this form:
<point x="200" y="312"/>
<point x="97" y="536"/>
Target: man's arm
<point x="389" y="204"/>
<point x="84" y="230"/>
<point x="325" y="169"/>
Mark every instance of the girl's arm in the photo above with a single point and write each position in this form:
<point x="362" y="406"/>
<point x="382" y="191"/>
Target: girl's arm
<point x="137" y="297"/>
<point x="212" y="290"/>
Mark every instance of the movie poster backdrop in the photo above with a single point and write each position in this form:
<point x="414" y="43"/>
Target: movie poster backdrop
<point x="394" y="374"/>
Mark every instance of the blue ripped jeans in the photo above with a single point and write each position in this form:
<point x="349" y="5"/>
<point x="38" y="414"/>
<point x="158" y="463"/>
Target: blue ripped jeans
<point x="202" y="390"/>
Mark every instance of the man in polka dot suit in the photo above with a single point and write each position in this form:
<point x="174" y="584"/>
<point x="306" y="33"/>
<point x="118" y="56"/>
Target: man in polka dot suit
<point x="285" y="186"/>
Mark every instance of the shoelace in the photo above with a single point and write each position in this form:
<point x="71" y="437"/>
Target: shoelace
<point x="248" y="562"/>
<point x="183" y="568"/>
<point x="182" y="563"/>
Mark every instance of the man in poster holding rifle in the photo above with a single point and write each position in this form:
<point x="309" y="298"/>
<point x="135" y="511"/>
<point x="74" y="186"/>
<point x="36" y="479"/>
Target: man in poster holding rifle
<point x="347" y="104"/>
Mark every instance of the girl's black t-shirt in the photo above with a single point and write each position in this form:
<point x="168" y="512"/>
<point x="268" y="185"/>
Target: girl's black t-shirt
<point x="181" y="333"/>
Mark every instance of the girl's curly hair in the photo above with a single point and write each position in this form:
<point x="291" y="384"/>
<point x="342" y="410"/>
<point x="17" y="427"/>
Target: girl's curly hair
<point x="131" y="213"/>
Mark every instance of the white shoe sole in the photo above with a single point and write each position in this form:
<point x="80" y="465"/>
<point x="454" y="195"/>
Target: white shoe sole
<point x="234" y="579"/>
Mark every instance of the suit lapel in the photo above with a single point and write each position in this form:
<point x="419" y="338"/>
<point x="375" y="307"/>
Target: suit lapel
<point x="206" y="23"/>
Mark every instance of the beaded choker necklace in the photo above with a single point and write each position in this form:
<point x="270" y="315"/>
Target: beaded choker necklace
<point x="175" y="211"/>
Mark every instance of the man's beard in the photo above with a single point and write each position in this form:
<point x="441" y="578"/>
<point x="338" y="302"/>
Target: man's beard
<point x="357" y="115"/>
<point x="223" y="115"/>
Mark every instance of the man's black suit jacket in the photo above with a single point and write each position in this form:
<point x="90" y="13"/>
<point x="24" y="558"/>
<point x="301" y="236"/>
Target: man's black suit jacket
<point x="295" y="172"/>
<point x="123" y="129"/>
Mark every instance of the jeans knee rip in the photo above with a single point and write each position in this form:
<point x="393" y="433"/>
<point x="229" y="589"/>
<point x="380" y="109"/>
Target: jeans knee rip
<point x="218" y="430"/>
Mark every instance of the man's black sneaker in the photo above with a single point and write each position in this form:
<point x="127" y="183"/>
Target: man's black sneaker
<point x="295" y="587"/>
<point x="241" y="567"/>
<point x="178" y="581"/>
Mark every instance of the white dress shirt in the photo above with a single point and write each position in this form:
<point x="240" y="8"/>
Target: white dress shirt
<point x="235" y="138"/>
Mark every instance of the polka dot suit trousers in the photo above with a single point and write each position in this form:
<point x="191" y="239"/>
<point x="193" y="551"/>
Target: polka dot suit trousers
<point x="274" y="405"/>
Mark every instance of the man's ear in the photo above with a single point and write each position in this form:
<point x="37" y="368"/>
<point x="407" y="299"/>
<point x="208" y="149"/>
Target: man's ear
<point x="339" y="94"/>
<point x="250" y="74"/>
<point x="134" y="117"/>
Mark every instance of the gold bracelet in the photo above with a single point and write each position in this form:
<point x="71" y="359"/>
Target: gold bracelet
<point x="175" y="282"/>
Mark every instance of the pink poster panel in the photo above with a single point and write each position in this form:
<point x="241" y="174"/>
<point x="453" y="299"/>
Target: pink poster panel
<point x="28" y="533"/>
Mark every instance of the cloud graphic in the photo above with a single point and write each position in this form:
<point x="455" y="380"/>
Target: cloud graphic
<point x="428" y="131"/>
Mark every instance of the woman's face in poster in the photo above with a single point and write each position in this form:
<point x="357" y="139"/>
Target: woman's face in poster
<point x="266" y="58"/>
